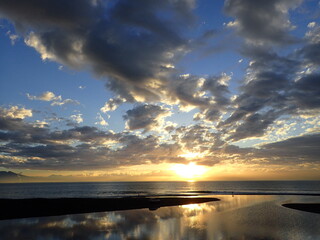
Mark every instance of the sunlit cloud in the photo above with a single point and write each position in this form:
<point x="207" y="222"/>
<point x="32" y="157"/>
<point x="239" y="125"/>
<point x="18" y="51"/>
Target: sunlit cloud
<point x="51" y="97"/>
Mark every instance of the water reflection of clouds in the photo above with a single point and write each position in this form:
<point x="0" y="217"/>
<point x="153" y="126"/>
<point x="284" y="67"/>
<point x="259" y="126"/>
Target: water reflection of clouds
<point x="238" y="217"/>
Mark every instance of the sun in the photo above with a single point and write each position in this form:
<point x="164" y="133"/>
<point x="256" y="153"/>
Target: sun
<point x="189" y="171"/>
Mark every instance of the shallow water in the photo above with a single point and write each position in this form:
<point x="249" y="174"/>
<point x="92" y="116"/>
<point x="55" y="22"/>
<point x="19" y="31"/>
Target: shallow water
<point x="234" y="217"/>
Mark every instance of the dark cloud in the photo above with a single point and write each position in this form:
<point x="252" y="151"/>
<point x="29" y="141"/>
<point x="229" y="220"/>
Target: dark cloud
<point x="147" y="117"/>
<point x="25" y="145"/>
<point x="262" y="22"/>
<point x="274" y="86"/>
<point x="198" y="138"/>
<point x="132" y="43"/>
<point x="306" y="92"/>
<point x="209" y="94"/>
<point x="53" y="14"/>
<point x="254" y="125"/>
<point x="302" y="149"/>
<point x="310" y="52"/>
<point x="264" y="95"/>
<point x="186" y="90"/>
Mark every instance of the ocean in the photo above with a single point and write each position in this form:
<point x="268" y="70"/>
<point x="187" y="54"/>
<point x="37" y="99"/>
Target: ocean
<point x="246" y="211"/>
<point x="125" y="189"/>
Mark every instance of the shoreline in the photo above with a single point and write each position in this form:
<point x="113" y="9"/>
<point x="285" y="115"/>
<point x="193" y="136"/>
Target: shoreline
<point x="44" y="207"/>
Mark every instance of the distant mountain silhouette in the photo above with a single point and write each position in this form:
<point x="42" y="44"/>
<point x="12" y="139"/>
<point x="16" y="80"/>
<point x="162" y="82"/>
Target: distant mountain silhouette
<point x="13" y="177"/>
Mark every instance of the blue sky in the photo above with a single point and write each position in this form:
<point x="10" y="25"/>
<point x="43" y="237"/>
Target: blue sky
<point x="124" y="90"/>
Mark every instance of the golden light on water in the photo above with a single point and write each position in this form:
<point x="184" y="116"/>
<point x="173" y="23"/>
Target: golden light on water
<point x="189" y="171"/>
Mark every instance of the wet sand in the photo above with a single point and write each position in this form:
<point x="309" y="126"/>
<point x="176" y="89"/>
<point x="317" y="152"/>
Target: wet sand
<point x="307" y="207"/>
<point x="40" y="207"/>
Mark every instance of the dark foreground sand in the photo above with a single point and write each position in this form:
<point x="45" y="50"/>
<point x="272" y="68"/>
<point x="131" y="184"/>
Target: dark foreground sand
<point x="40" y="207"/>
<point x="307" y="207"/>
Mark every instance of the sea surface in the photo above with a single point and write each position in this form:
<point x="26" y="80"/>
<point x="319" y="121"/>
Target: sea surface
<point x="246" y="211"/>
<point x="125" y="189"/>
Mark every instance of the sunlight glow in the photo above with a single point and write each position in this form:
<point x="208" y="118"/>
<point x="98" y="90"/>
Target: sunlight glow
<point x="190" y="171"/>
<point x="191" y="155"/>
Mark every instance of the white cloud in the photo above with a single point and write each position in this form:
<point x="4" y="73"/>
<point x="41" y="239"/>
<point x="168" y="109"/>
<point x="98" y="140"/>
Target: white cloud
<point x="40" y="124"/>
<point x="312" y="24"/>
<point x="54" y="99"/>
<point x="101" y="120"/>
<point x="66" y="101"/>
<point x="15" y="112"/>
<point x="77" y="118"/>
<point x="45" y="96"/>
<point x="232" y="24"/>
<point x="313" y="36"/>
<point x="147" y="117"/>
<point x="112" y="104"/>
<point x="13" y="37"/>
<point x="34" y="41"/>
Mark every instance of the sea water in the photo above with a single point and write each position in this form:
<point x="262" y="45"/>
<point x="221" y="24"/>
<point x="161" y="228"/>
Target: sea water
<point x="124" y="189"/>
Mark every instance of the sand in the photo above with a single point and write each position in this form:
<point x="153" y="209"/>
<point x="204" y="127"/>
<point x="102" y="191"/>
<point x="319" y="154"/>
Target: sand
<point x="40" y="207"/>
<point x="307" y="207"/>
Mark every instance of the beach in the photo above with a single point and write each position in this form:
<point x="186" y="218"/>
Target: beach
<point x="307" y="207"/>
<point x="40" y="207"/>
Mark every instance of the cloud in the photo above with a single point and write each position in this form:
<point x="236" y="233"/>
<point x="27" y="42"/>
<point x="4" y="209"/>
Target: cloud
<point x="207" y="93"/>
<point x="15" y="112"/>
<point x="262" y="22"/>
<point x="66" y="101"/>
<point x="113" y="40"/>
<point x="27" y="145"/>
<point x="36" y="146"/>
<point x="254" y="125"/>
<point x="198" y="138"/>
<point x="77" y="118"/>
<point x="101" y="120"/>
<point x="302" y="149"/>
<point x="274" y="86"/>
<point x="13" y="37"/>
<point x="112" y="104"/>
<point x="310" y="51"/>
<point x="306" y="92"/>
<point x="147" y="117"/>
<point x="46" y="96"/>
<point x="51" y="97"/>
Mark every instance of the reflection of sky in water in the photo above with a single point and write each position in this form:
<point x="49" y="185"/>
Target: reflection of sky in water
<point x="238" y="217"/>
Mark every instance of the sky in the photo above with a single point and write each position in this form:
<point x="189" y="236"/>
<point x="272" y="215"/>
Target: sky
<point x="120" y="90"/>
